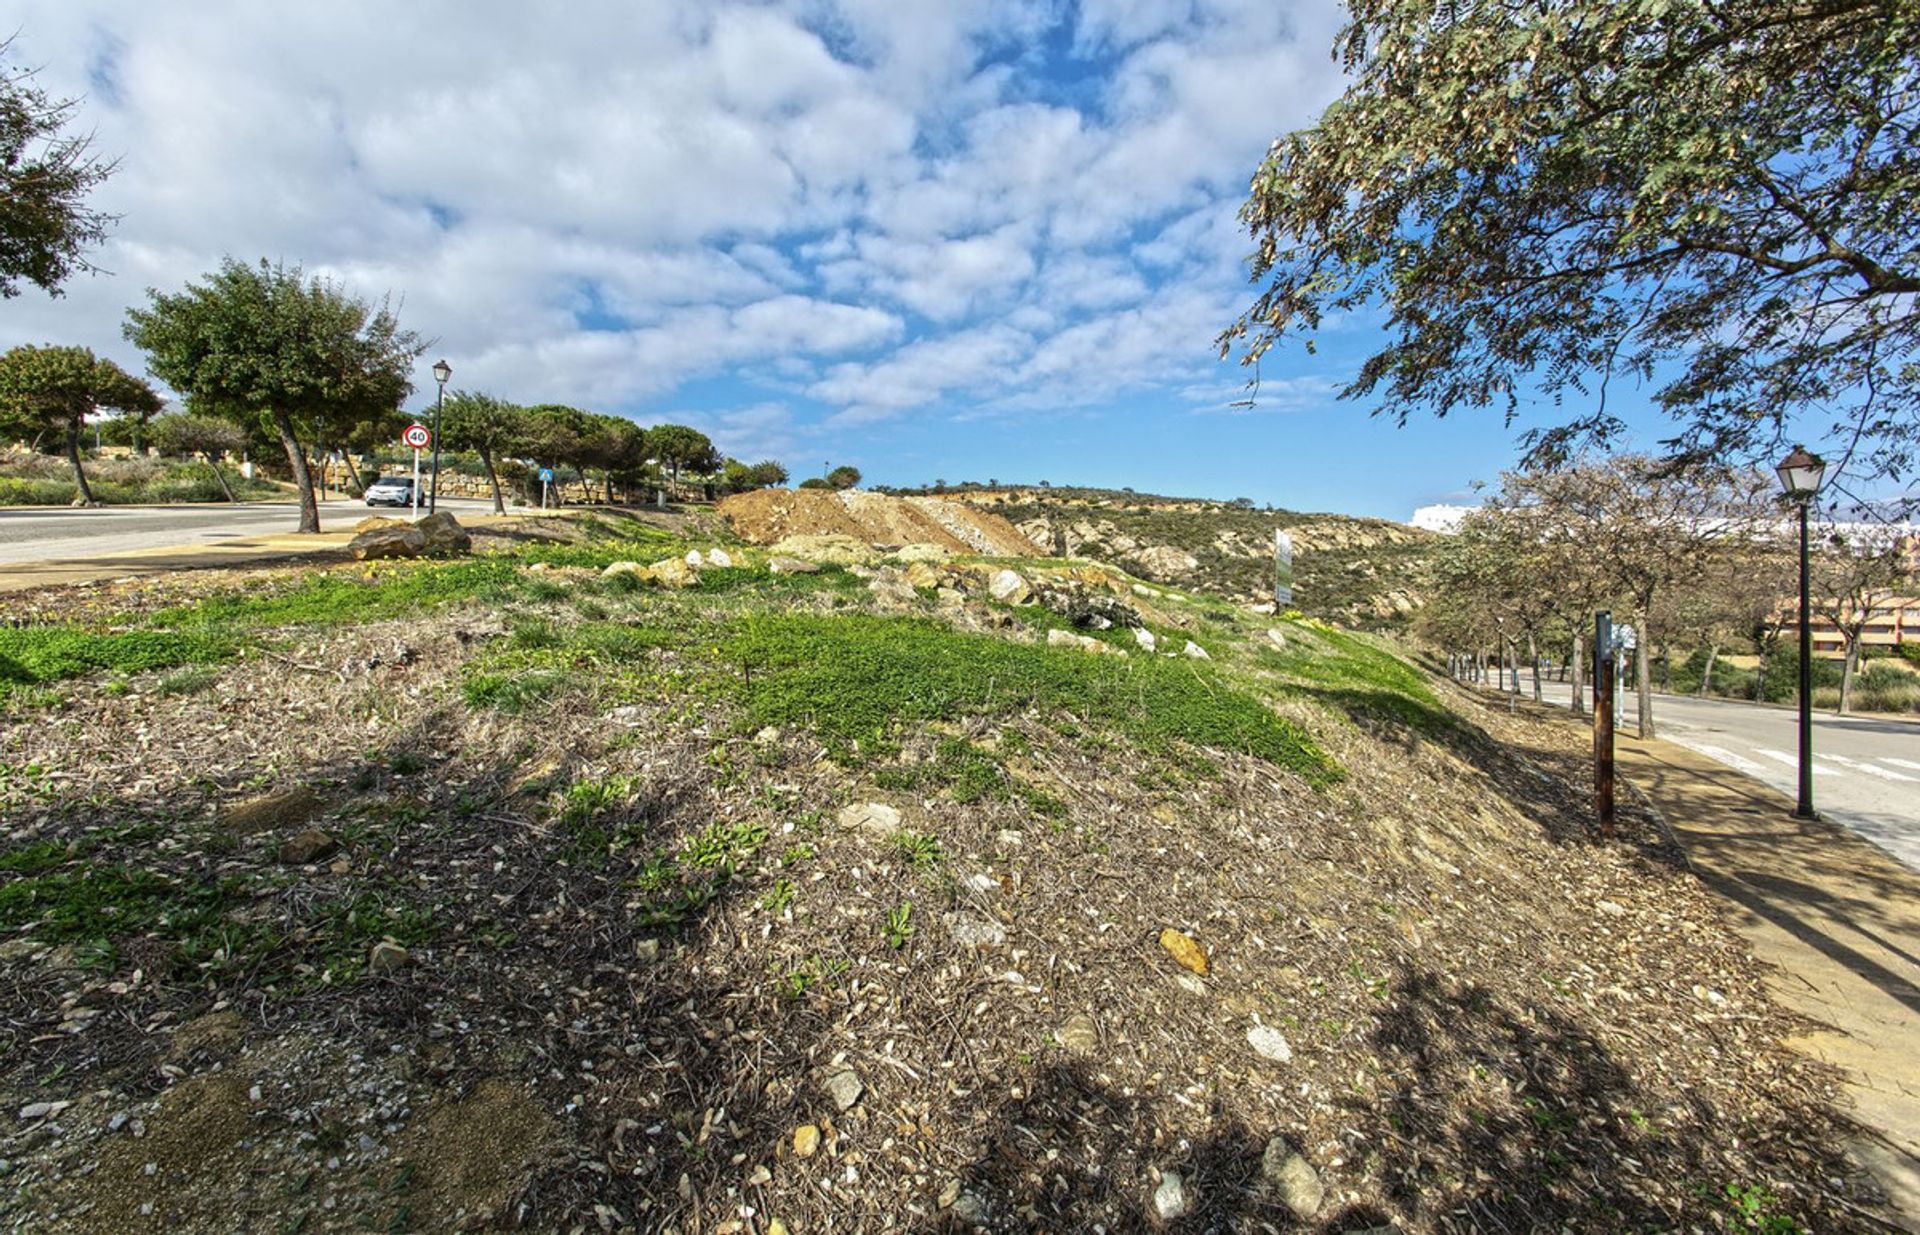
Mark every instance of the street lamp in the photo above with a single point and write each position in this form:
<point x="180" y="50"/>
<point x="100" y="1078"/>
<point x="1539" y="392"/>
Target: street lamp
<point x="1800" y="476"/>
<point x="441" y="372"/>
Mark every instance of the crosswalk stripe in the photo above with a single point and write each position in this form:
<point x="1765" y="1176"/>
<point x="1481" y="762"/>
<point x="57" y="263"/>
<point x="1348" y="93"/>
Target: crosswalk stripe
<point x="1738" y="763"/>
<point x="1793" y="761"/>
<point x="1868" y="768"/>
<point x="1900" y="763"/>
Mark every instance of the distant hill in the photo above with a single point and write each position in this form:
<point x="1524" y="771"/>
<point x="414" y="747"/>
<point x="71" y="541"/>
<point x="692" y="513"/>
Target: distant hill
<point x="1361" y="572"/>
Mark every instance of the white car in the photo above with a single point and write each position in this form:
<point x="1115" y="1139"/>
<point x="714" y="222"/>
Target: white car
<point x="391" y="491"/>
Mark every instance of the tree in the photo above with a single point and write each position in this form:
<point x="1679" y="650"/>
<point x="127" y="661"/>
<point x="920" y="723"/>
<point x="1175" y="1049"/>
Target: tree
<point x="843" y="477"/>
<point x="206" y="436"/>
<point x="46" y="226"/>
<point x="57" y="388"/>
<point x="1649" y="530"/>
<point x="681" y="447"/>
<point x="1857" y="575"/>
<point x="1717" y="197"/>
<point x="265" y="341"/>
<point x="488" y="426"/>
<point x="767" y="473"/>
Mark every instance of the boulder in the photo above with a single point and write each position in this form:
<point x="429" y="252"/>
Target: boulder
<point x="672" y="572"/>
<point x="382" y="543"/>
<point x="373" y="522"/>
<point x="924" y="574"/>
<point x="1085" y="643"/>
<point x="307" y="847"/>
<point x="921" y="552"/>
<point x="1009" y="588"/>
<point x="620" y="568"/>
<point x="719" y="557"/>
<point x="1165" y="562"/>
<point x="445" y="536"/>
<point x="792" y="566"/>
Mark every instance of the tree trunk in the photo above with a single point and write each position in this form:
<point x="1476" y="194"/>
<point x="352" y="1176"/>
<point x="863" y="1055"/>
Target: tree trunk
<point x="1643" y="665"/>
<point x="214" y="463"/>
<point x="1577" y="669"/>
<point x="1847" y="667"/>
<point x="297" y="460"/>
<point x="1533" y="654"/>
<point x="73" y="457"/>
<point x="493" y="478"/>
<point x="1706" y="675"/>
<point x="353" y="473"/>
<point x="1666" y="669"/>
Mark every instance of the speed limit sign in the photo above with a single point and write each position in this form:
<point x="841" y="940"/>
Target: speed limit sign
<point x="416" y="436"/>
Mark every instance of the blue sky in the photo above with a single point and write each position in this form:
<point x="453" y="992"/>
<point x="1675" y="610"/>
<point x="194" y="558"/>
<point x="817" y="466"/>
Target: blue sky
<point x="935" y="240"/>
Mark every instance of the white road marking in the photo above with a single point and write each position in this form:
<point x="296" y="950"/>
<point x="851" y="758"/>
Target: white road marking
<point x="1738" y="763"/>
<point x="1868" y="768"/>
<point x="1793" y="761"/>
<point x="1900" y="763"/>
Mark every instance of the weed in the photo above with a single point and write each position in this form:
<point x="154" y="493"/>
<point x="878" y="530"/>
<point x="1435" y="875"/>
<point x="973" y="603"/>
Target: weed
<point x="898" y="927"/>
<point x="1753" y="1210"/>
<point x="921" y="851"/>
<point x="796" y="854"/>
<point x="406" y="763"/>
<point x="189" y="681"/>
<point x="36" y="655"/>
<point x="779" y="898"/>
<point x="812" y="972"/>
<point x="387" y="590"/>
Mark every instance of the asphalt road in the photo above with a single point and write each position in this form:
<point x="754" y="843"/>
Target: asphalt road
<point x="1866" y="770"/>
<point x="39" y="534"/>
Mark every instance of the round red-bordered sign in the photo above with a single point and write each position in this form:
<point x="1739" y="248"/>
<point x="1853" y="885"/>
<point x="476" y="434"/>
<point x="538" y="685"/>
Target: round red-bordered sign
<point x="417" y="437"/>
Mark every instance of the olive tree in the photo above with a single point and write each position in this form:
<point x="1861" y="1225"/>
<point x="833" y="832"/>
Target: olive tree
<point x="206" y="436"/>
<point x="486" y="425"/>
<point x="46" y="173"/>
<point x="266" y="342"/>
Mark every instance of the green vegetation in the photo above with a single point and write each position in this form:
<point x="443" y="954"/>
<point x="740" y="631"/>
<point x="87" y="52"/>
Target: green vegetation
<point x="371" y="594"/>
<point x="37" y="480"/>
<point x="857" y="678"/>
<point x="898" y="926"/>
<point x="1355" y="675"/>
<point x="37" y="655"/>
<point x="921" y="851"/>
<point x="970" y="774"/>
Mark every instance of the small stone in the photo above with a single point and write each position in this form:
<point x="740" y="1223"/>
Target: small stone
<point x="767" y="736"/>
<point x="1195" y="651"/>
<point x="1609" y="908"/>
<point x="1080" y="1035"/>
<point x="719" y="557"/>
<point x="1190" y="984"/>
<point x="694" y="559"/>
<point x="1009" y="587"/>
<point x="1277" y="638"/>
<point x="622" y="567"/>
<point x="1144" y="637"/>
<point x="1292" y="1179"/>
<point x="307" y="847"/>
<point x="1184" y="950"/>
<point x="1268" y="1043"/>
<point x="806" y="1141"/>
<point x="761" y="1175"/>
<point x="1170" y="1198"/>
<point x="646" y="950"/>
<point x="845" y="1088"/>
<point x="1264" y="608"/>
<point x="870" y="817"/>
<point x="43" y="1110"/>
<point x="971" y="931"/>
<point x="20" y="949"/>
<point x="117" y="1122"/>
<point x="387" y="957"/>
<point x="791" y="566"/>
<point x="970" y="1209"/>
<point x="776" y="1227"/>
<point x="673" y="572"/>
<point x="949" y="1194"/>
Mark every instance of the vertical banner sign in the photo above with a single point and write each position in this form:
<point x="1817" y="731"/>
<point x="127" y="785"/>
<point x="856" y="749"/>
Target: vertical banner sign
<point x="1282" y="569"/>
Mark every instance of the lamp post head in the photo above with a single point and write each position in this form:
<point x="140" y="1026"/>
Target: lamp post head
<point x="442" y="371"/>
<point x="1801" y="473"/>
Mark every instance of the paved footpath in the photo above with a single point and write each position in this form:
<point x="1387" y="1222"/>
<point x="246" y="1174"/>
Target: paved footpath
<point x="1836" y="918"/>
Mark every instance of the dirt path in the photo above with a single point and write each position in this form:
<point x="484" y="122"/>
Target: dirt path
<point x="1837" y="917"/>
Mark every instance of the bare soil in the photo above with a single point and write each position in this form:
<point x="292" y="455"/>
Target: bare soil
<point x="766" y="516"/>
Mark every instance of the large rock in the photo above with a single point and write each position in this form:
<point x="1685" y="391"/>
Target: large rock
<point x="875" y="817"/>
<point x="1170" y="1198"/>
<point x="837" y="549"/>
<point x="782" y="565"/>
<point x="1165" y="562"/>
<point x="672" y="572"/>
<point x="382" y="543"/>
<point x="921" y="552"/>
<point x="445" y="536"/>
<point x="1009" y="588"/>
<point x="374" y="522"/>
<point x="307" y="847"/>
<point x="1085" y="643"/>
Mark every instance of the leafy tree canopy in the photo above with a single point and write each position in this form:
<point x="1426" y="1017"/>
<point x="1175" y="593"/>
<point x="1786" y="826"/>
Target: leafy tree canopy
<point x="1720" y="200"/>
<point x="59" y="387"/>
<point x="46" y="225"/>
<point x="844" y="477"/>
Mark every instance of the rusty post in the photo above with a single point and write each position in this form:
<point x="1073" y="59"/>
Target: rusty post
<point x="1603" y="669"/>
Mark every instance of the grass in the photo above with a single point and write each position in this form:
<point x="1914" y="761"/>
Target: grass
<point x="1354" y="675"/>
<point x="375" y="593"/>
<point x="858" y="679"/>
<point x="970" y="774"/>
<point x="38" y="655"/>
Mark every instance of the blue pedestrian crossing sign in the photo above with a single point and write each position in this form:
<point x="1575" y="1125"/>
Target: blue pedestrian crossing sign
<point x="546" y="475"/>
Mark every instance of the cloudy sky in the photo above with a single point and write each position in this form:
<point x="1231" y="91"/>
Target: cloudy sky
<point x="938" y="239"/>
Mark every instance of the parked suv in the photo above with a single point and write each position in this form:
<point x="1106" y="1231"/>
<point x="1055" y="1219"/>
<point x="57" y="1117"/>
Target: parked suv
<point x="391" y="491"/>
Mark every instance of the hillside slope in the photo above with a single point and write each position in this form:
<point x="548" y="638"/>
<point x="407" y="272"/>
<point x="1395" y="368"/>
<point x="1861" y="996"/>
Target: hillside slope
<point x="522" y="893"/>
<point x="1360" y="572"/>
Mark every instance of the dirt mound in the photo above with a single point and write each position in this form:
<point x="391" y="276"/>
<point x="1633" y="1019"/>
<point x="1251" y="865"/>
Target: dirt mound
<point x="768" y="515"/>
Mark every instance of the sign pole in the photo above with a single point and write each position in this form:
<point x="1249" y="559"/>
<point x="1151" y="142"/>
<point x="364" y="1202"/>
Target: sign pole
<point x="416" y="484"/>
<point x="1603" y="721"/>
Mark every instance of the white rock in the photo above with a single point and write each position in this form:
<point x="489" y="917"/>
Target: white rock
<point x="1268" y="1043"/>
<point x="1008" y="587"/>
<point x="1144" y="637"/>
<point x="1277" y="638"/>
<point x="719" y="557"/>
<point x="870" y="817"/>
<point x="971" y="931"/>
<point x="1195" y="651"/>
<point x="1263" y="608"/>
<point x="1170" y="1198"/>
<point x="845" y="1088"/>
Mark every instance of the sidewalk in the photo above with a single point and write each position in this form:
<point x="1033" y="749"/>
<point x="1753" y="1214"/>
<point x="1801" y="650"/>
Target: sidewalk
<point x="1838" y="921"/>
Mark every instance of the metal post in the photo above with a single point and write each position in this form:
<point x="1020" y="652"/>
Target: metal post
<point x="1804" y="809"/>
<point x="416" y="484"/>
<point x="433" y="499"/>
<point x="1603" y="720"/>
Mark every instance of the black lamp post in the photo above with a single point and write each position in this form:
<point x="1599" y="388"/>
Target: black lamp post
<point x="1800" y="476"/>
<point x="441" y="372"/>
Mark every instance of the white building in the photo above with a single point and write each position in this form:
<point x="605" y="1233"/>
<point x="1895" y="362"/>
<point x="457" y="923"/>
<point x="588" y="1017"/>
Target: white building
<point x="1442" y="519"/>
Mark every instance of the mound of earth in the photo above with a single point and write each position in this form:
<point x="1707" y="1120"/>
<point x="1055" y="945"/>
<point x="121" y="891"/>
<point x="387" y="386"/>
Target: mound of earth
<point x="767" y="516"/>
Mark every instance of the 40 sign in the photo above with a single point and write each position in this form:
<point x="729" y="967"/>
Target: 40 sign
<point x="416" y="437"/>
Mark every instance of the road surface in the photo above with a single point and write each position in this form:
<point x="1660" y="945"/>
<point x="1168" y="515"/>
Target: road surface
<point x="1866" y="770"/>
<point x="38" y="534"/>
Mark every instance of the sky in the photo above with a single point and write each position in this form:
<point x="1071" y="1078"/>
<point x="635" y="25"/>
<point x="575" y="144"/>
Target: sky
<point x="935" y="239"/>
